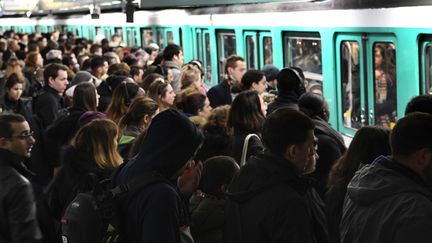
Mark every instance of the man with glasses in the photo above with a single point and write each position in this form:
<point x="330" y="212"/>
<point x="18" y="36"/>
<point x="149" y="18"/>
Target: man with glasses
<point x="17" y="204"/>
<point x="270" y="199"/>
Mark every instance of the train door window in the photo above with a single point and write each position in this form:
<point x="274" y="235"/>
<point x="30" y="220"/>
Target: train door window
<point x="199" y="44"/>
<point x="251" y="51"/>
<point x="384" y="83"/>
<point x="427" y="69"/>
<point x="160" y="38"/>
<point x="226" y="45"/>
<point x="207" y="59"/>
<point x="38" y="29"/>
<point x="350" y="84"/>
<point x="146" y="36"/>
<point x="303" y="50"/>
<point x="118" y="31"/>
<point x="130" y="37"/>
<point x="267" y="50"/>
<point x="170" y="37"/>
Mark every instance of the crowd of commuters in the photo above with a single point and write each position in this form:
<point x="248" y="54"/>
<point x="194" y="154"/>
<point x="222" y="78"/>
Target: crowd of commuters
<point x="232" y="164"/>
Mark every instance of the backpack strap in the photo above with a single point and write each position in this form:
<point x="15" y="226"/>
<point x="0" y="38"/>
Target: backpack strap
<point x="246" y="146"/>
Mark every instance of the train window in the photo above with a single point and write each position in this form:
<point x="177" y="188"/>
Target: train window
<point x="226" y="43"/>
<point x="118" y="31"/>
<point x="199" y="45"/>
<point x="251" y="59"/>
<point x="130" y="37"/>
<point x="170" y="37"/>
<point x="146" y="36"/>
<point x="303" y="50"/>
<point x="38" y="29"/>
<point x="268" y="50"/>
<point x="350" y="84"/>
<point x="160" y="39"/>
<point x="207" y="61"/>
<point x="385" y="102"/>
<point x="427" y="87"/>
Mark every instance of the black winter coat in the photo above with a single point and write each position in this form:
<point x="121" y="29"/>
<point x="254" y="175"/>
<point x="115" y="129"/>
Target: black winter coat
<point x="60" y="133"/>
<point x="72" y="179"/>
<point x="255" y="146"/>
<point x="23" y="107"/>
<point x="17" y="204"/>
<point x="47" y="105"/>
<point x="269" y="201"/>
<point x="386" y="202"/>
<point x="331" y="146"/>
<point x="289" y="99"/>
<point x="220" y="94"/>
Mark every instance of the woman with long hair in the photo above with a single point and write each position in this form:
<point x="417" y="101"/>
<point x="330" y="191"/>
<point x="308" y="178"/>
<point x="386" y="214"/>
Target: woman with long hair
<point x="368" y="143"/>
<point x="246" y="116"/>
<point x="135" y="121"/>
<point x="92" y="150"/>
<point x="14" y="67"/>
<point x="121" y="99"/>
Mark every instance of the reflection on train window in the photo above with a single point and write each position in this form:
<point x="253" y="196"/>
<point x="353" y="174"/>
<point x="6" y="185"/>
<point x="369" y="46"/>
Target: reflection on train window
<point x="130" y="38"/>
<point x="207" y="61"/>
<point x="118" y="31"/>
<point x="226" y="43"/>
<point x="170" y="37"/>
<point x="427" y="88"/>
<point x="384" y="54"/>
<point x="160" y="39"/>
<point x="303" y="50"/>
<point x="37" y="29"/>
<point x="199" y="45"/>
<point x="250" y="52"/>
<point x="350" y="86"/>
<point x="268" y="50"/>
<point x="146" y="36"/>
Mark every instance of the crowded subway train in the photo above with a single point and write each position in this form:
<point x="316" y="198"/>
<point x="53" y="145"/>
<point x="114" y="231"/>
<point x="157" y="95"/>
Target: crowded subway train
<point x="367" y="61"/>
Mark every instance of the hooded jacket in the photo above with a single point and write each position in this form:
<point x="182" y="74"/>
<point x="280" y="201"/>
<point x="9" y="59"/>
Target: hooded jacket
<point x="156" y="212"/>
<point x="269" y="201"/>
<point x="386" y="202"/>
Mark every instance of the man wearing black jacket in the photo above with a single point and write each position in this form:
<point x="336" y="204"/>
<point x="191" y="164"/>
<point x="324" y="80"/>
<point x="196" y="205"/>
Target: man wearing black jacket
<point x="270" y="200"/>
<point x="17" y="205"/>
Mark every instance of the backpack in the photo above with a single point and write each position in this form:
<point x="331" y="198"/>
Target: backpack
<point x="92" y="217"/>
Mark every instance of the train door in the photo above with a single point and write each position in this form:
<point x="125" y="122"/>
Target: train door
<point x="367" y="85"/>
<point x="166" y="36"/>
<point x="226" y="46"/>
<point x="131" y="39"/>
<point x="202" y="52"/>
<point x="147" y="37"/>
<point x="251" y="46"/>
<point x="259" y="49"/>
<point x="426" y="65"/>
<point x="266" y="49"/>
<point x="350" y="83"/>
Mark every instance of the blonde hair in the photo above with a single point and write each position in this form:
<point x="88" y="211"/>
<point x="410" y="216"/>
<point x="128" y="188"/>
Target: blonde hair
<point x="98" y="138"/>
<point x="189" y="74"/>
<point x="14" y="68"/>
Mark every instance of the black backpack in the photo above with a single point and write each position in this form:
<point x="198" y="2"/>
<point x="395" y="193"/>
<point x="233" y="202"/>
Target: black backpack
<point x="93" y="217"/>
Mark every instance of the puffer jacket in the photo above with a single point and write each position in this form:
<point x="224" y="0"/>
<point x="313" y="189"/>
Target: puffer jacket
<point x="386" y="202"/>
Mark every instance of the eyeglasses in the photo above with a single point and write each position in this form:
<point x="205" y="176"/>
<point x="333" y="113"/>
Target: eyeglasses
<point x="24" y="136"/>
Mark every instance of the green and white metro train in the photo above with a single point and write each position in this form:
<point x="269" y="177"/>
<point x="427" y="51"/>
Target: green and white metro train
<point x="370" y="60"/>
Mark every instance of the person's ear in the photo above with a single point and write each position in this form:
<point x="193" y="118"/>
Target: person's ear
<point x="290" y="152"/>
<point x="4" y="143"/>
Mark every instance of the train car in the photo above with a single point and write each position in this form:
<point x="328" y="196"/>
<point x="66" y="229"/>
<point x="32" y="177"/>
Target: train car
<point x="369" y="58"/>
